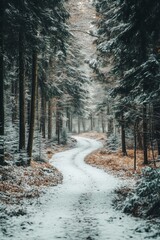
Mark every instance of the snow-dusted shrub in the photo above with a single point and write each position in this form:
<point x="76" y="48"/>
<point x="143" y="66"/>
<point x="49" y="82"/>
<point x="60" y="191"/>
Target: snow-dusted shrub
<point x="64" y="136"/>
<point x="112" y="143"/>
<point x="145" y="199"/>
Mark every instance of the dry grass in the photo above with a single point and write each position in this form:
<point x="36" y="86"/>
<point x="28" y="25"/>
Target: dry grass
<point x="122" y="166"/>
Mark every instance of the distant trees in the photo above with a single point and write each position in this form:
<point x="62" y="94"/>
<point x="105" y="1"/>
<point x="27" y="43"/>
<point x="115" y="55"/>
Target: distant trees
<point x="33" y="29"/>
<point x="128" y="43"/>
<point x="39" y="75"/>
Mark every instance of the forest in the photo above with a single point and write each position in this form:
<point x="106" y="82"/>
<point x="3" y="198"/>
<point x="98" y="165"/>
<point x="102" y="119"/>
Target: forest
<point x="82" y="76"/>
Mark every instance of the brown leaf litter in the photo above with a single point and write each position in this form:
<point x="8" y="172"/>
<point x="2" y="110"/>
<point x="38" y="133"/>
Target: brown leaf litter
<point x="18" y="183"/>
<point x="115" y="162"/>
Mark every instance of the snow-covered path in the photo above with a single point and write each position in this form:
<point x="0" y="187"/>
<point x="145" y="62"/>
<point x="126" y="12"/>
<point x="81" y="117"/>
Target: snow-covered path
<point x="80" y="208"/>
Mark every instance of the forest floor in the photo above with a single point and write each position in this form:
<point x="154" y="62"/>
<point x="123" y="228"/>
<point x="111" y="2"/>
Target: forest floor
<point x="19" y="182"/>
<point x="122" y="167"/>
<point x="80" y="208"/>
<point x="115" y="162"/>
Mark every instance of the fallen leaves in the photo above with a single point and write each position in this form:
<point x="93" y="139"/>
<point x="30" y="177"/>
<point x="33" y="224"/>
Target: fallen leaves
<point x="122" y="166"/>
<point x="18" y="183"/>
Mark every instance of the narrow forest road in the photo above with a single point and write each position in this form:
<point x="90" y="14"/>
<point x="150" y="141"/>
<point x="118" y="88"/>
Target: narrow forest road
<point x="80" y="208"/>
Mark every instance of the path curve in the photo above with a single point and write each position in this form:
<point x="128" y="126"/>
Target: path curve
<point x="80" y="208"/>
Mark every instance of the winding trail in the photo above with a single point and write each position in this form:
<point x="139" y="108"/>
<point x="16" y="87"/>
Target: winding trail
<point x="80" y="208"/>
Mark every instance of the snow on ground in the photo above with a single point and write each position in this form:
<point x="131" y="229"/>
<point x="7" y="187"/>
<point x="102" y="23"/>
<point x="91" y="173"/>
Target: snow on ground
<point x="80" y="208"/>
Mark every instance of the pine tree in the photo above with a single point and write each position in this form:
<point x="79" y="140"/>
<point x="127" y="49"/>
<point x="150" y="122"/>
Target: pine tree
<point x="2" y="9"/>
<point x="129" y="32"/>
<point x="21" y="78"/>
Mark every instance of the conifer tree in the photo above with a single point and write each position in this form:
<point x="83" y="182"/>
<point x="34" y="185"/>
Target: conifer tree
<point x="2" y="9"/>
<point x="129" y="32"/>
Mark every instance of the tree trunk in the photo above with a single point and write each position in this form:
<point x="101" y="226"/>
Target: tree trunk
<point x="143" y="58"/>
<point x="2" y="82"/>
<point x="123" y="137"/>
<point x="135" y="146"/>
<point x="15" y="101"/>
<point x="71" y="123"/>
<point x="139" y="139"/>
<point x="91" y="122"/>
<point x="79" y="124"/>
<point x="43" y="115"/>
<point x="58" y="127"/>
<point x="157" y="127"/>
<point x="83" y="124"/>
<point x="145" y="134"/>
<point x="103" y="123"/>
<point x="50" y="119"/>
<point x="151" y="131"/>
<point x="68" y="123"/>
<point x="28" y="111"/>
<point x="33" y="105"/>
<point x="21" y="90"/>
<point x="58" y="122"/>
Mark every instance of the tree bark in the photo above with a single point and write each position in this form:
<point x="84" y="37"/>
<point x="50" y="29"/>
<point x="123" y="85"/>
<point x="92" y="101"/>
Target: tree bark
<point x="58" y="122"/>
<point x="21" y="90"/>
<point x="43" y="115"/>
<point x="58" y="126"/>
<point x="91" y="122"/>
<point x="2" y="8"/>
<point x="135" y="146"/>
<point x="143" y="58"/>
<point x="15" y="101"/>
<point x="157" y="127"/>
<point x="33" y="105"/>
<point x="49" y="119"/>
<point x="83" y="124"/>
<point x="123" y="136"/>
<point x="79" y="125"/>
<point x="71" y="123"/>
<point x="103" y="123"/>
<point x="68" y="123"/>
<point x="145" y="134"/>
<point x="139" y="139"/>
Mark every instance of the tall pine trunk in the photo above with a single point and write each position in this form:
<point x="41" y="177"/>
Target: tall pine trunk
<point x="43" y="115"/>
<point x="58" y="124"/>
<point x="21" y="90"/>
<point x="79" y="124"/>
<point x="49" y="119"/>
<point x="83" y="124"/>
<point x="68" y="123"/>
<point x="135" y="145"/>
<point x="2" y="82"/>
<point x="143" y="58"/>
<point x="123" y="136"/>
<point x="103" y="122"/>
<point x="33" y="105"/>
<point x="15" y="101"/>
<point x="71" y="122"/>
<point x="91" y="118"/>
<point x="157" y="127"/>
<point x="145" y="129"/>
